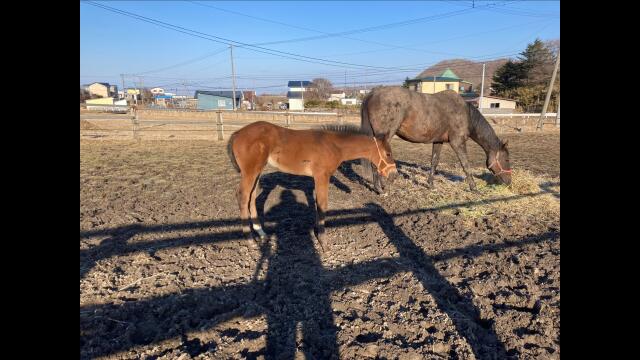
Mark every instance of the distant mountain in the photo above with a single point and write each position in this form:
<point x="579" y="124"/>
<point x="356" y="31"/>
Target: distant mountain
<point x="467" y="70"/>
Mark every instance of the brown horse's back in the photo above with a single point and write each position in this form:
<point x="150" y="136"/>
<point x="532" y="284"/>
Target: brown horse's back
<point x="292" y="151"/>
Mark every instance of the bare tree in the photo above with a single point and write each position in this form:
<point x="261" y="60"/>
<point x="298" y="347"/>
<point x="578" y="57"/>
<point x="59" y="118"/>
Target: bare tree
<point x="84" y="95"/>
<point x="323" y="87"/>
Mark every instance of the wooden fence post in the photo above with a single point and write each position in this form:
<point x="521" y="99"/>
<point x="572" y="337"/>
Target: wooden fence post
<point x="287" y="121"/>
<point x="134" y="123"/>
<point x="340" y="119"/>
<point x="220" y="126"/>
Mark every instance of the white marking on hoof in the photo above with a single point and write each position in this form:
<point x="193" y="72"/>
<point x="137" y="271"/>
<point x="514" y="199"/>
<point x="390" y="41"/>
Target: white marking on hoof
<point x="259" y="230"/>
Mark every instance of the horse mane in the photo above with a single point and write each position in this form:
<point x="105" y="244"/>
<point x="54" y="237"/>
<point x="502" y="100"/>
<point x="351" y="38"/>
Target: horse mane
<point x="344" y="128"/>
<point x="481" y="130"/>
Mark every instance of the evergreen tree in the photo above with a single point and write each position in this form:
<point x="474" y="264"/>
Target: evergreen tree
<point x="509" y="76"/>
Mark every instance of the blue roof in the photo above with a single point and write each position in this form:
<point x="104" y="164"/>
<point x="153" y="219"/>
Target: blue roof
<point x="222" y="93"/>
<point x="297" y="83"/>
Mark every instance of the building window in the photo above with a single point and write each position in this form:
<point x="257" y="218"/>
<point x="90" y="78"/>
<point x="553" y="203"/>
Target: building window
<point x="449" y="86"/>
<point x="222" y="103"/>
<point x="495" y="105"/>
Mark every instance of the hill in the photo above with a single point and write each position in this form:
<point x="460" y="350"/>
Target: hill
<point x="467" y="70"/>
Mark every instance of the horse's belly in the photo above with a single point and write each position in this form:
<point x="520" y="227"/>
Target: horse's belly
<point x="417" y="135"/>
<point x="290" y="166"/>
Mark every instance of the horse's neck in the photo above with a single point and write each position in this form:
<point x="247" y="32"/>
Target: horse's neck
<point x="482" y="133"/>
<point x="356" y="147"/>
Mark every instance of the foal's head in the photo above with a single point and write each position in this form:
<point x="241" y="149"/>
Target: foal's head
<point x="498" y="163"/>
<point x="383" y="159"/>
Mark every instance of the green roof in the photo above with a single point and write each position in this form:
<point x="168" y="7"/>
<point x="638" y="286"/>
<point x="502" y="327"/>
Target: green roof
<point x="449" y="74"/>
<point x="438" y="79"/>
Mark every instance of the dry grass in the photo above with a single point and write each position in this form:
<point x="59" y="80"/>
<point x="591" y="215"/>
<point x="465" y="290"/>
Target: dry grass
<point x="523" y="196"/>
<point x="85" y="125"/>
<point x="523" y="181"/>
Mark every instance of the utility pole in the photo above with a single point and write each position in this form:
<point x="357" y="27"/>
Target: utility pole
<point x="558" y="113"/>
<point x="124" y="94"/>
<point x="142" y="89"/>
<point x="302" y="93"/>
<point x="186" y="91"/>
<point x="233" y="79"/>
<point x="365" y="81"/>
<point x="345" y="83"/>
<point x="546" y="100"/>
<point x="434" y="84"/>
<point x="135" y="95"/>
<point x="481" y="90"/>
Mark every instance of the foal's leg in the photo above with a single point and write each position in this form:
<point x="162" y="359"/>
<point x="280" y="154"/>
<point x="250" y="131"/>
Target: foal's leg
<point x="244" y="193"/>
<point x="322" y="203"/>
<point x="460" y="148"/>
<point x="254" y="213"/>
<point x="435" y="158"/>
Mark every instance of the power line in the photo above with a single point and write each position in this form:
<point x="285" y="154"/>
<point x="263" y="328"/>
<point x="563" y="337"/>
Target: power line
<point x="229" y="42"/>
<point x="326" y="35"/>
<point x="202" y="57"/>
<point x="243" y="45"/>
<point x="378" y="27"/>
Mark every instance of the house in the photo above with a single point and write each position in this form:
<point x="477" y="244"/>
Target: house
<point x="162" y="99"/>
<point x="102" y="89"/>
<point x="107" y="104"/>
<point x="100" y="101"/>
<point x="448" y="80"/>
<point x="491" y="104"/>
<point x="349" y="101"/>
<point x="218" y="100"/>
<point x="295" y="95"/>
<point x="133" y="94"/>
<point x="295" y="100"/>
<point x="337" y="97"/>
<point x="157" y="91"/>
<point x="299" y="85"/>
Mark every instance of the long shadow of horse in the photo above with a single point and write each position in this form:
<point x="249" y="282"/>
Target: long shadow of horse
<point x="406" y="169"/>
<point x="295" y="294"/>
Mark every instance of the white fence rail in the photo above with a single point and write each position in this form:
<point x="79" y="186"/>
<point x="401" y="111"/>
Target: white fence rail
<point x="224" y="122"/>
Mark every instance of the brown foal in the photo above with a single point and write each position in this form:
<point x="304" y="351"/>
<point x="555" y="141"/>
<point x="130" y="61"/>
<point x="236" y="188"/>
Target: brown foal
<point x="315" y="153"/>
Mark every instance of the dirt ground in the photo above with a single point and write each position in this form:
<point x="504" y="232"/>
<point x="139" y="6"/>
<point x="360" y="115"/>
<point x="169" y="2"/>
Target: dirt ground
<point x="417" y="273"/>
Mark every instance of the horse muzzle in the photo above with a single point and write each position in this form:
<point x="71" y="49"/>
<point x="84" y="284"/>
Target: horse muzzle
<point x="389" y="172"/>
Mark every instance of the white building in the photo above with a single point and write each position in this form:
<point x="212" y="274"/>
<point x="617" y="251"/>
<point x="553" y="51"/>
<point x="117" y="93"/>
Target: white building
<point x="493" y="104"/>
<point x="295" y="95"/>
<point x="350" y="101"/>
<point x="337" y="97"/>
<point x="157" y="91"/>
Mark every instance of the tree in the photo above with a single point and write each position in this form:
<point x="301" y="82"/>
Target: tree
<point x="323" y="87"/>
<point x="537" y="62"/>
<point x="147" y="96"/>
<point x="509" y="76"/>
<point x="405" y="84"/>
<point x="527" y="79"/>
<point x="84" y="95"/>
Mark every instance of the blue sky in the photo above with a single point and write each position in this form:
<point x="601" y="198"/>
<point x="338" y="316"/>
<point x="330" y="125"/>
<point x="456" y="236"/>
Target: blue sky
<point x="386" y="41"/>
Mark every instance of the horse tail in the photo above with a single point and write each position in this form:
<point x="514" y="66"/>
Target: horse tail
<point x="230" y="153"/>
<point x="366" y="128"/>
